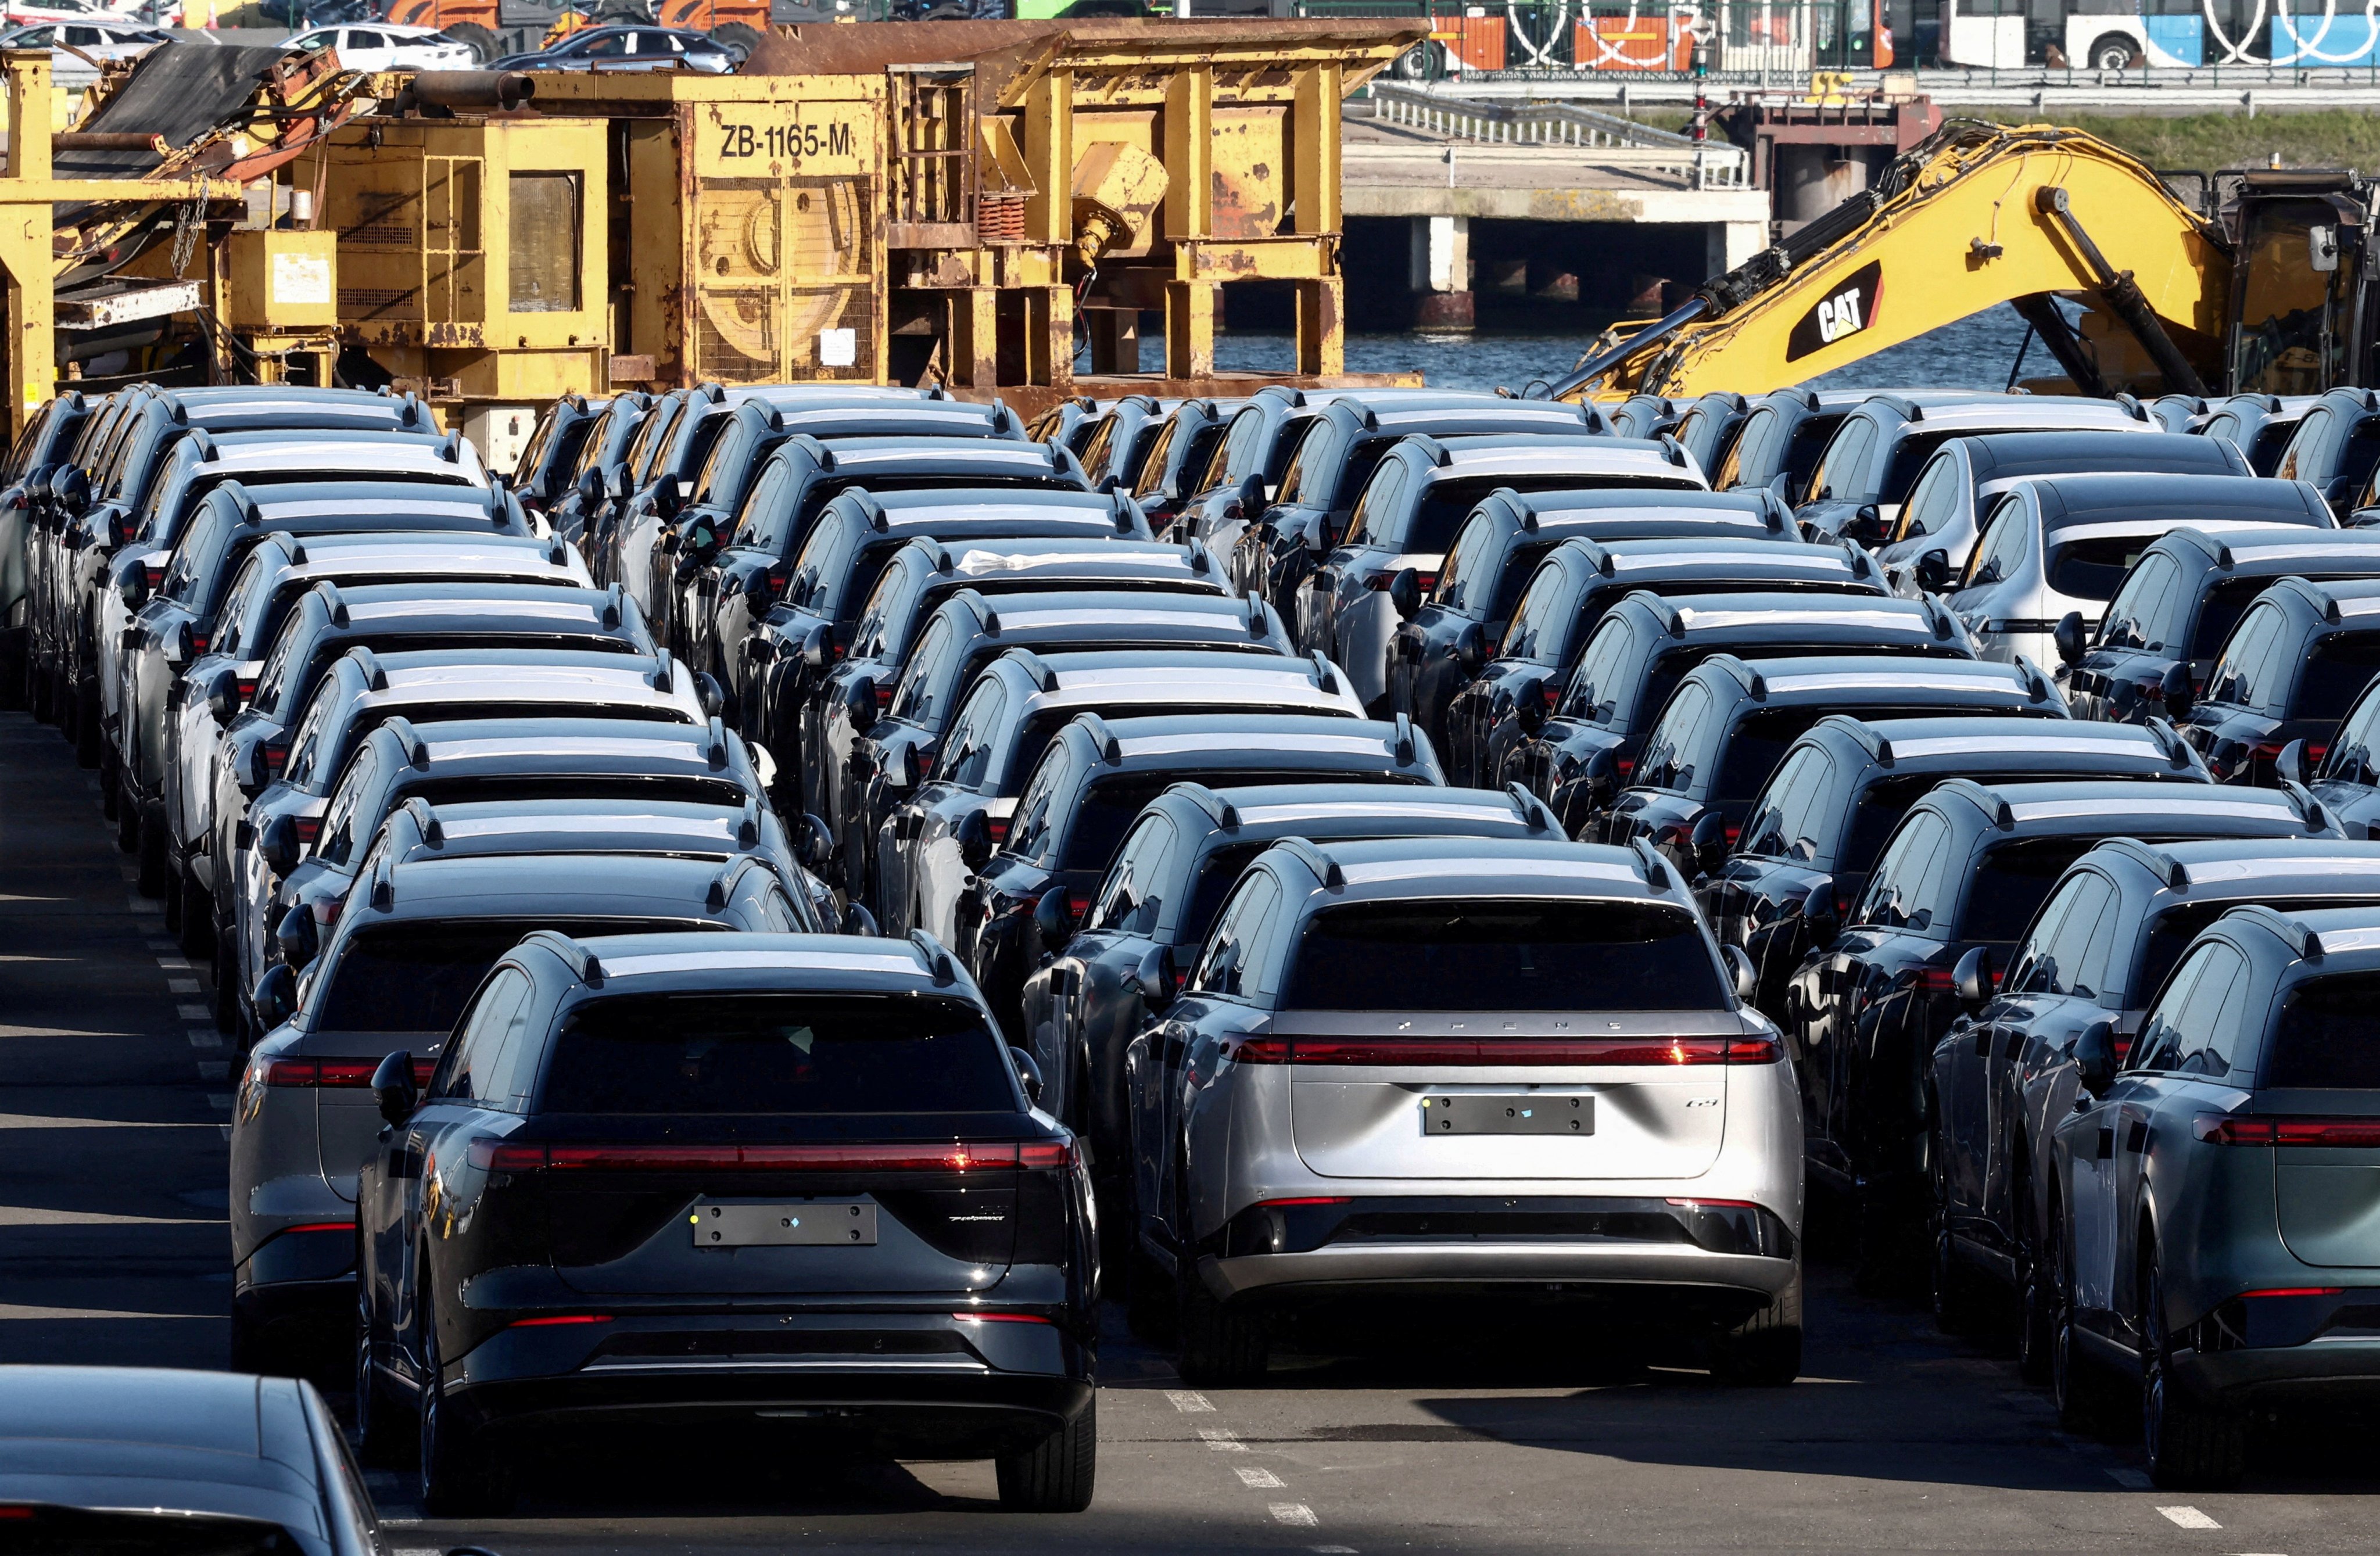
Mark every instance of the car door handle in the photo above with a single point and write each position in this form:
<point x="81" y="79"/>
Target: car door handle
<point x="1982" y="1042"/>
<point x="2106" y="1145"/>
<point x="2015" y="1046"/>
<point x="2136" y="1139"/>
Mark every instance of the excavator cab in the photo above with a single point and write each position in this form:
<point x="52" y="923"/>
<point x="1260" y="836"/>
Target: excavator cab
<point x="2300" y="273"/>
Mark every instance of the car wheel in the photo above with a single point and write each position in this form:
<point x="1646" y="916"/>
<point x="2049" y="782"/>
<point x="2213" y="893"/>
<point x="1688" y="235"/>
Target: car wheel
<point x="461" y="1474"/>
<point x="149" y="848"/>
<point x="381" y="1431"/>
<point x="1055" y="1475"/>
<point x="127" y="819"/>
<point x="1764" y="1350"/>
<point x="2075" y="1383"/>
<point x="198" y="913"/>
<point x="1218" y="1344"/>
<point x="88" y="746"/>
<point x="1958" y="1303"/>
<point x="2193" y="1446"/>
<point x="2037" y="1310"/>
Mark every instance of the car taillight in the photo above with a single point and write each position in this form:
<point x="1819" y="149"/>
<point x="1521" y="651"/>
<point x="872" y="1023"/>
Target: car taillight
<point x="308" y="828"/>
<point x="275" y="753"/>
<point x="157" y="571"/>
<point x="776" y="577"/>
<point x="326" y="910"/>
<point x="1931" y="980"/>
<point x="2291" y="1291"/>
<point x="1303" y="1199"/>
<point x="246" y="685"/>
<point x="998" y="827"/>
<point x="884" y="699"/>
<point x="336" y="1071"/>
<point x="199" y="641"/>
<point x="1000" y="1318"/>
<point x="1479" y="1053"/>
<point x="642" y="1156"/>
<point x="1627" y="766"/>
<point x="1382" y="580"/>
<point x="549" y="1320"/>
<point x="2225" y="1129"/>
<point x="1078" y="904"/>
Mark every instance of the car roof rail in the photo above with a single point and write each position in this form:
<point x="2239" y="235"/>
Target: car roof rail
<point x="2175" y="874"/>
<point x="1259" y="617"/>
<point x="576" y="957"/>
<point x="1036" y="668"/>
<point x="333" y="602"/>
<point x="1103" y="739"/>
<point x="616" y="600"/>
<point x="368" y="665"/>
<point x="665" y="676"/>
<point x="2177" y="749"/>
<point x="408" y="740"/>
<point x="1222" y="811"/>
<point x="382" y="893"/>
<point x="425" y="821"/>
<point x="1401" y="741"/>
<point x="1325" y="869"/>
<point x="1535" y="813"/>
<point x="715" y="747"/>
<point x="938" y="960"/>
<point x="748" y="824"/>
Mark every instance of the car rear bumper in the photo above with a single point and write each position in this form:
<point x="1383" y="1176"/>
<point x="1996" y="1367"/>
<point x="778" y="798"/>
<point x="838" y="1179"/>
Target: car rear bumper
<point x="1006" y="1385"/>
<point x="2334" y="1368"/>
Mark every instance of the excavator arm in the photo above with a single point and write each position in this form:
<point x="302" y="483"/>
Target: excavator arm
<point x="1978" y="214"/>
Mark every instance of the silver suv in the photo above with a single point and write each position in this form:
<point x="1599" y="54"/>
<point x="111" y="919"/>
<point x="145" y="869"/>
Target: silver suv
<point x="1462" y="1065"/>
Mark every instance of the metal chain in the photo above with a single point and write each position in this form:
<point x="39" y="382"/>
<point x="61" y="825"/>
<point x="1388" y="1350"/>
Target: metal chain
<point x="187" y="224"/>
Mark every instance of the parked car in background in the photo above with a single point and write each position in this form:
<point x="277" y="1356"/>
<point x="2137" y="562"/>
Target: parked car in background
<point x="2297" y="661"/>
<point x="385" y="46"/>
<point x="2260" y="424"/>
<point x="629" y="48"/>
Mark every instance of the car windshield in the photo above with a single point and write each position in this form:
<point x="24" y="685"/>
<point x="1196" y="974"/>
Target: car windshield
<point x="1487" y="955"/>
<point x="418" y="977"/>
<point x="707" y="1055"/>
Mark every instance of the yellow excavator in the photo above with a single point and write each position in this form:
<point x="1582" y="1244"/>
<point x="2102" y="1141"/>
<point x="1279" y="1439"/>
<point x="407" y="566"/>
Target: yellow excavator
<point x="2272" y="288"/>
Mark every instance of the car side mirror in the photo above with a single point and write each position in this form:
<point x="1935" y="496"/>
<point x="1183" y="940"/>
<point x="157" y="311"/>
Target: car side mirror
<point x="615" y="485"/>
<point x="1405" y="593"/>
<point x="1739" y="968"/>
<point x="666" y="495"/>
<point x="1028" y="1074"/>
<point x="757" y="598"/>
<point x="1252" y="498"/>
<point x="70" y="492"/>
<point x="817" y="841"/>
<point x="1600" y="777"/>
<point x="861" y="698"/>
<point x="857" y="920"/>
<point x="974" y="838"/>
<point x="1708" y="841"/>
<point x="818" y="648"/>
<point x="222" y="696"/>
<point x="296" y="936"/>
<point x="1053" y="917"/>
<point x="1157" y="978"/>
<point x="706" y="686"/>
<point x="591" y="487"/>
<point x="900" y="767"/>
<point x="1471" y="648"/>
<point x="1820" y="923"/>
<point x="182" y="647"/>
<point x="276" y="844"/>
<point x="2179" y="694"/>
<point x="1531" y="705"/>
<point x="2094" y="1057"/>
<point x="2291" y="765"/>
<point x="393" y="1087"/>
<point x="276" y="994"/>
<point x="134" y="590"/>
<point x="1972" y="980"/>
<point x="1868" y="524"/>
<point x="2071" y="637"/>
<point x="1933" y="570"/>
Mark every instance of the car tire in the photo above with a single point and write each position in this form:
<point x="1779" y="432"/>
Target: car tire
<point x="1959" y="1307"/>
<point x="2076" y="1384"/>
<point x="2193" y="1446"/>
<point x="149" y="849"/>
<point x="460" y="1474"/>
<point x="198" y="913"/>
<point x="384" y="1435"/>
<point x="1217" y="1344"/>
<point x="1056" y="1474"/>
<point x="88" y="746"/>
<point x="2036" y="1323"/>
<point x="127" y="819"/>
<point x="1764" y="1350"/>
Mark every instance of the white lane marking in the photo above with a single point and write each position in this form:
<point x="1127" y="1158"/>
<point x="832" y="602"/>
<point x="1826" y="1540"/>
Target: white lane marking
<point x="161" y="945"/>
<point x="45" y="1121"/>
<point x="2131" y="1479"/>
<point x="1189" y="1402"/>
<point x="194" y="1013"/>
<point x="1259" y="1478"/>
<point x="11" y="1311"/>
<point x="1332" y="1550"/>
<point x="1221" y="1441"/>
<point x="226" y="1132"/>
<point x="2189" y="1518"/>
<point x="181" y="986"/>
<point x="175" y="964"/>
<point x="36" y="1215"/>
<point x="1293" y="1513"/>
<point x="205" y="1038"/>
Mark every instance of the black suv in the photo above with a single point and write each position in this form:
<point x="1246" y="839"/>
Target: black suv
<point x="2289" y="670"/>
<point x="1724" y="729"/>
<point x="1808" y="842"/>
<point x="1963" y="873"/>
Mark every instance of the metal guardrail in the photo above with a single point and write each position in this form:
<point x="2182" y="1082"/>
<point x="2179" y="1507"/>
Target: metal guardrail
<point x="1706" y="164"/>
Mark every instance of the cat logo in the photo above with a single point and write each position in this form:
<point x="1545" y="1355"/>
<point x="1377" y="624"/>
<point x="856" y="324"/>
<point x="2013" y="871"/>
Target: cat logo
<point x="1848" y="308"/>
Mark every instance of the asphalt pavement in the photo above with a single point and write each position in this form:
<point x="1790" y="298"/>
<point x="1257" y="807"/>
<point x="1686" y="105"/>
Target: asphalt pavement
<point x="1454" y="1431"/>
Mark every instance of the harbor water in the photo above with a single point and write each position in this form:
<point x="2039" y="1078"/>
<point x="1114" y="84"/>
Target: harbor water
<point x="1974" y="353"/>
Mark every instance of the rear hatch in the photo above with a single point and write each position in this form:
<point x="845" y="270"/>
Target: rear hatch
<point x="1506" y="1095"/>
<point x="783" y="1146"/>
<point x="1609" y="1059"/>
<point x="2321" y="1102"/>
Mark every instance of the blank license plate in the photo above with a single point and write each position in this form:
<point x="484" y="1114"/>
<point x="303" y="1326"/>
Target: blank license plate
<point x="811" y="1223"/>
<point x="1475" y="1113"/>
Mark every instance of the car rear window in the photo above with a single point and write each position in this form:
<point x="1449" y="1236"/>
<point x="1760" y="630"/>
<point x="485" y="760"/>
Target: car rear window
<point x="417" y="977"/>
<point x="2093" y="568"/>
<point x="1107" y="811"/>
<point x="1486" y="954"/>
<point x="707" y="1055"/>
<point x="2326" y="1037"/>
<point x="2013" y="882"/>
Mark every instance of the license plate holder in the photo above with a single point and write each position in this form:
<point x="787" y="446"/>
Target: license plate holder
<point x="801" y="1223"/>
<point x="1474" y="1113"/>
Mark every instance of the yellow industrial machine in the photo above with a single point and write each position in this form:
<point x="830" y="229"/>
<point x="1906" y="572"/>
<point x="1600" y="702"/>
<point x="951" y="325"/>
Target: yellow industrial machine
<point x="1984" y="214"/>
<point x="960" y="202"/>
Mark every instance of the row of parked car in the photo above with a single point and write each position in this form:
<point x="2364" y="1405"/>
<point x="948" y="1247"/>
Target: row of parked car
<point x="1284" y="852"/>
